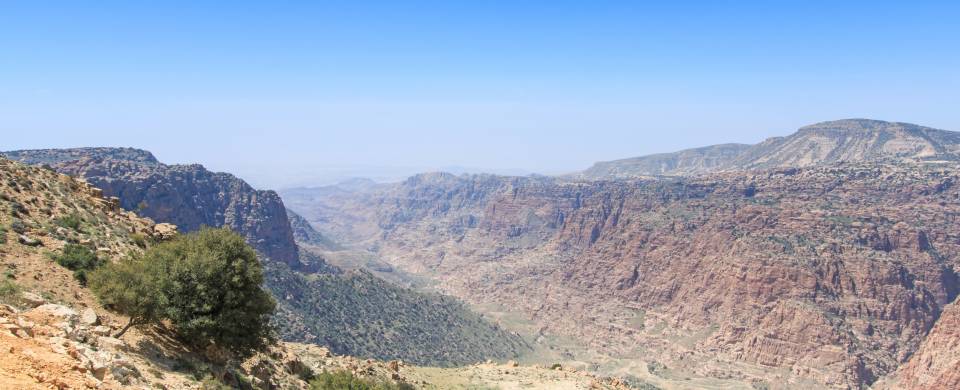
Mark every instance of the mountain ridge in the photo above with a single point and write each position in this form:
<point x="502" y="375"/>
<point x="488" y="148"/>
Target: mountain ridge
<point x="845" y="140"/>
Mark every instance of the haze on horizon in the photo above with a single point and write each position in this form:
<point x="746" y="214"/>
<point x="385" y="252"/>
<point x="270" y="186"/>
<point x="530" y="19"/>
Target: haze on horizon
<point x="303" y="92"/>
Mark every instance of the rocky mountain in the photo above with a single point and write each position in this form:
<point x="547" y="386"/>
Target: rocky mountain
<point x="826" y="275"/>
<point x="55" y="334"/>
<point x="851" y="140"/>
<point x="936" y="365"/>
<point x="353" y="314"/>
<point x="188" y="196"/>
<point x="305" y="234"/>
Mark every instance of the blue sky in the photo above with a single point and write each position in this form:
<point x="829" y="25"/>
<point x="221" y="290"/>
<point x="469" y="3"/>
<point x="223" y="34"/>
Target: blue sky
<point x="287" y="92"/>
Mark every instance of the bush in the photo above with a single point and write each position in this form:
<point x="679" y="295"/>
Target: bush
<point x="79" y="259"/>
<point x="206" y="283"/>
<point x="9" y="292"/>
<point x="71" y="221"/>
<point x="139" y="239"/>
<point x="344" y="380"/>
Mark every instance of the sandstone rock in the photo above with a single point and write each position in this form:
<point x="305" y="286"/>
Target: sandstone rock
<point x="164" y="231"/>
<point x="32" y="299"/>
<point x="56" y="310"/>
<point x="88" y="317"/>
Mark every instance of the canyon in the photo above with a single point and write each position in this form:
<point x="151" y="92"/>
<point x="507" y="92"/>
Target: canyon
<point x="806" y="266"/>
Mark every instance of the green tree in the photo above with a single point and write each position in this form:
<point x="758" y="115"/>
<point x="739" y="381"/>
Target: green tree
<point x="206" y="283"/>
<point x="133" y="287"/>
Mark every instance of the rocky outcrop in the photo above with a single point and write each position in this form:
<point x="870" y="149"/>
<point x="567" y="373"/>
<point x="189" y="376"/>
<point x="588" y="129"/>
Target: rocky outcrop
<point x="936" y="365"/>
<point x="850" y="140"/>
<point x="188" y="196"/>
<point x="835" y="273"/>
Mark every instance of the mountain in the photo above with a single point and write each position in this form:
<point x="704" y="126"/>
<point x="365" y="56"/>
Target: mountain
<point x="54" y="333"/>
<point x="850" y="140"/>
<point x="353" y="314"/>
<point x="188" y="196"/>
<point x="684" y="162"/>
<point x="822" y="276"/>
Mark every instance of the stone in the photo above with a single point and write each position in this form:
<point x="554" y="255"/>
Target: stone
<point x="32" y="299"/>
<point x="28" y="241"/>
<point x="89" y="317"/>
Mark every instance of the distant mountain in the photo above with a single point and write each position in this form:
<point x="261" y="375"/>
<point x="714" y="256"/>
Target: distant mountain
<point x="689" y="161"/>
<point x="849" y="140"/>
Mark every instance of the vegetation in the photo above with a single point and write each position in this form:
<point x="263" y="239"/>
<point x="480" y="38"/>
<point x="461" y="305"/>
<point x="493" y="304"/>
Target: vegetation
<point x="362" y="315"/>
<point x="9" y="292"/>
<point x="206" y="284"/>
<point x="79" y="259"/>
<point x="71" y="221"/>
<point x="344" y="380"/>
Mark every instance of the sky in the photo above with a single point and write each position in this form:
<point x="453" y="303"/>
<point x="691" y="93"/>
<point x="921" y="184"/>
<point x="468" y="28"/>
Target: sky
<point x="287" y="93"/>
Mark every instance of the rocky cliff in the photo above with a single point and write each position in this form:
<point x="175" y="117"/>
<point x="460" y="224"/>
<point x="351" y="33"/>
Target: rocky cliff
<point x="936" y="365"/>
<point x="827" y="273"/>
<point x="188" y="196"/>
<point x="850" y="140"/>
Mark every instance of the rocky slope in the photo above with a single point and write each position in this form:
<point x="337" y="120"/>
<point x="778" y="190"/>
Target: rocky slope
<point x="936" y="365"/>
<point x="830" y="274"/>
<point x="361" y="316"/>
<point x="188" y="196"/>
<point x="851" y="140"/>
<point x="54" y="334"/>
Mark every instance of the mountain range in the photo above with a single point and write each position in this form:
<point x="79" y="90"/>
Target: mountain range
<point x="850" y="140"/>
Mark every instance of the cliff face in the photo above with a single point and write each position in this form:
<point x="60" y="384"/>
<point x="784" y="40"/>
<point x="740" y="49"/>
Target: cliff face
<point x="850" y="140"/>
<point x="832" y="273"/>
<point x="189" y="196"/>
<point x="936" y="365"/>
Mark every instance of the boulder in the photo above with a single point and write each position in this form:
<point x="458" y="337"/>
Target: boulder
<point x="56" y="310"/>
<point x="165" y="231"/>
<point x="89" y="317"/>
<point x="32" y="299"/>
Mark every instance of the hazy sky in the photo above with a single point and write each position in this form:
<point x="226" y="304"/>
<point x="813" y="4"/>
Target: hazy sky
<point x="281" y="92"/>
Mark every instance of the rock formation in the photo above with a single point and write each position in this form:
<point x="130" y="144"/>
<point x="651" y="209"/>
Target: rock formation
<point x="188" y="196"/>
<point x="835" y="273"/>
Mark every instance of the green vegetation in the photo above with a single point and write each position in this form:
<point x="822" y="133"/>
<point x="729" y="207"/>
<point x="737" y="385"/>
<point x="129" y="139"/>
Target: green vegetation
<point x="3" y="235"/>
<point x="344" y="380"/>
<point x="206" y="284"/>
<point x="361" y="315"/>
<point x="9" y="292"/>
<point x="71" y="221"/>
<point x="79" y="259"/>
<point x="139" y="239"/>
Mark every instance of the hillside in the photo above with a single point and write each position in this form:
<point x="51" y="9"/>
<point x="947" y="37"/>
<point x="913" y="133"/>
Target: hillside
<point x="55" y="334"/>
<point x="422" y="328"/>
<point x="850" y="140"/>
<point x="188" y="196"/>
<point x="827" y="274"/>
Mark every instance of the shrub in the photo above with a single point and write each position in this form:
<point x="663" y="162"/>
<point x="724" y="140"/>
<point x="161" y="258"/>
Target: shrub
<point x="9" y="292"/>
<point x="18" y="226"/>
<point x="345" y="380"/>
<point x="3" y="235"/>
<point x="139" y="239"/>
<point x="71" y="221"/>
<point x="206" y="283"/>
<point x="80" y="260"/>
